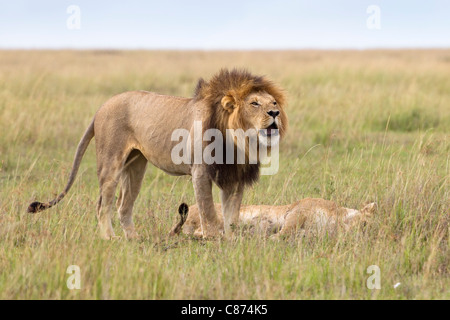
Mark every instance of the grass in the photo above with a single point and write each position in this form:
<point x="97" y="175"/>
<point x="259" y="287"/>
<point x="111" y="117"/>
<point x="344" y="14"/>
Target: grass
<point x="412" y="120"/>
<point x="364" y="126"/>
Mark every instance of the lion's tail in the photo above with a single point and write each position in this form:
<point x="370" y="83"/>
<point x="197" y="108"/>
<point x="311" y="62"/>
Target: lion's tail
<point x="82" y="146"/>
<point x="183" y="210"/>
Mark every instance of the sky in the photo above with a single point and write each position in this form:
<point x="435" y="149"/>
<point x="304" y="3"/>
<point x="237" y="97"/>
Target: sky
<point x="232" y="24"/>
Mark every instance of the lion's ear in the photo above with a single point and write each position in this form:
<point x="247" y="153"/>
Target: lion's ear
<point x="228" y="103"/>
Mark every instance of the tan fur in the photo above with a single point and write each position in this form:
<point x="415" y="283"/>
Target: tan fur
<point x="305" y="215"/>
<point x="134" y="128"/>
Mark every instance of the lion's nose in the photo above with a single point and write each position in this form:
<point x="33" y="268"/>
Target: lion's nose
<point x="273" y="113"/>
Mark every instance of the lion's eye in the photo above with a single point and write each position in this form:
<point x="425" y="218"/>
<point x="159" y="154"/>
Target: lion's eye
<point x="274" y="103"/>
<point x="255" y="104"/>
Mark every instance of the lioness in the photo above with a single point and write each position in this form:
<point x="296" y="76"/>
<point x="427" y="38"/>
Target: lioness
<point x="137" y="127"/>
<point x="307" y="214"/>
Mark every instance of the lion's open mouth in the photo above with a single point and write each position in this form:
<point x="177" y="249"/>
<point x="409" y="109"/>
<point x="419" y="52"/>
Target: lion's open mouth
<point x="270" y="130"/>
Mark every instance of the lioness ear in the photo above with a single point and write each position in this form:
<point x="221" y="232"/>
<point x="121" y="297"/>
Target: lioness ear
<point x="228" y="103"/>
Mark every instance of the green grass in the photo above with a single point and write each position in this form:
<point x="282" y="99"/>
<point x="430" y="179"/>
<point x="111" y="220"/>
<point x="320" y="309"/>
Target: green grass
<point x="364" y="126"/>
<point x="415" y="119"/>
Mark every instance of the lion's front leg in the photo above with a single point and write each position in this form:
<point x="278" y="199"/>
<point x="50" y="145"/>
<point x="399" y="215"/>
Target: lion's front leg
<point x="231" y="204"/>
<point x="203" y="194"/>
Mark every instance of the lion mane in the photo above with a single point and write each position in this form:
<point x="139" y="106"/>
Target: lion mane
<point x="233" y="86"/>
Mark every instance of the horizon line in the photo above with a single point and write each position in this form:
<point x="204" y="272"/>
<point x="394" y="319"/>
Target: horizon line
<point x="387" y="48"/>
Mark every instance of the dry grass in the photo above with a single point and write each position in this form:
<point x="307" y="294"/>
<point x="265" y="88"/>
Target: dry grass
<point x="364" y="126"/>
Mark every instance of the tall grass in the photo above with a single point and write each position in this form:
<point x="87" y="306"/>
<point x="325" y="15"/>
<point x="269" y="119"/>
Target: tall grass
<point x="364" y="126"/>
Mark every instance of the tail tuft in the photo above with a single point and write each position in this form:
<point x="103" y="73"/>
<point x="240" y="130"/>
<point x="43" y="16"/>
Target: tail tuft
<point x="36" y="207"/>
<point x="183" y="210"/>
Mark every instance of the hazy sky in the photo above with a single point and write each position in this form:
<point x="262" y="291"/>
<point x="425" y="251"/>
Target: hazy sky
<point x="232" y="24"/>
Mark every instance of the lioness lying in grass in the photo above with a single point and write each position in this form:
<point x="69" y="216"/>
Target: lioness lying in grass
<point x="305" y="215"/>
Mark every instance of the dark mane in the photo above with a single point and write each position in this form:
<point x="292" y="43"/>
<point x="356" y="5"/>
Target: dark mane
<point x="238" y="84"/>
<point x="224" y="174"/>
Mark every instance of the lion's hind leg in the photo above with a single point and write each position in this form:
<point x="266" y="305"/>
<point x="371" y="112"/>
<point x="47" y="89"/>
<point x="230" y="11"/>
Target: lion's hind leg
<point x="109" y="172"/>
<point x="108" y="186"/>
<point x="131" y="180"/>
<point x="294" y="222"/>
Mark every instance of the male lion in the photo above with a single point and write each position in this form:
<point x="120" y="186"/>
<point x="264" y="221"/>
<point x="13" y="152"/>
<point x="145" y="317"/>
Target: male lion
<point x="310" y="214"/>
<point x="135" y="127"/>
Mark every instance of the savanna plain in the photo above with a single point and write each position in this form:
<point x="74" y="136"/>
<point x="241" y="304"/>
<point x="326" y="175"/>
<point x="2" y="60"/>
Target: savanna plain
<point x="364" y="126"/>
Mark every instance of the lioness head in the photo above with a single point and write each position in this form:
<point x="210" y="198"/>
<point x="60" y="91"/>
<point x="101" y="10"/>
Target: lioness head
<point x="247" y="104"/>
